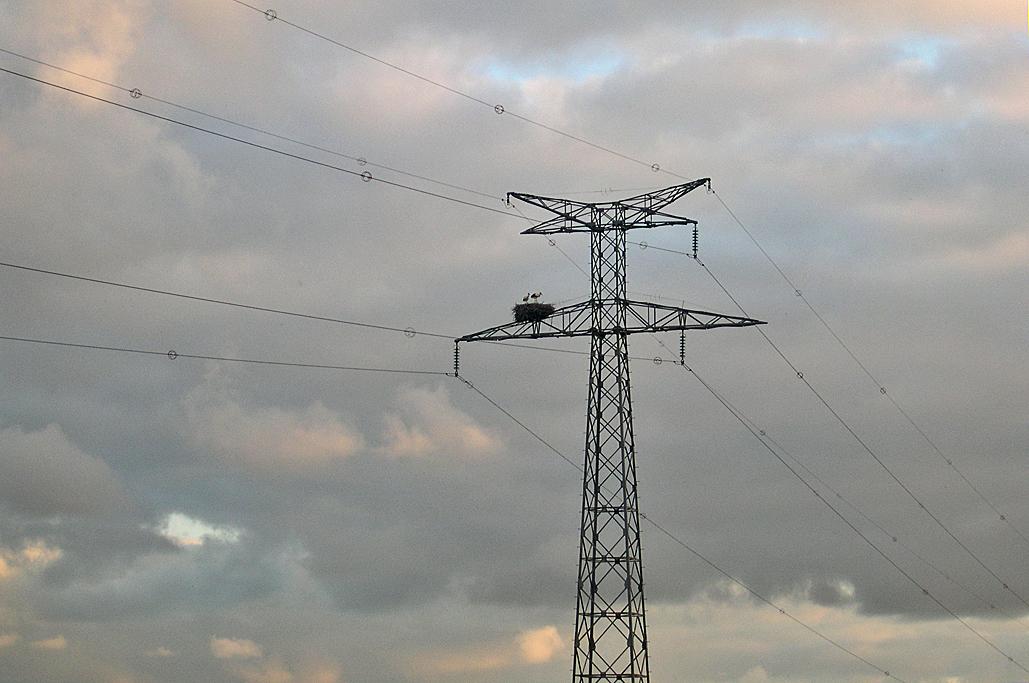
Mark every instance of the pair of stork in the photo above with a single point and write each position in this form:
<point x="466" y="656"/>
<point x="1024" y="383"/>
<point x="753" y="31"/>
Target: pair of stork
<point x="534" y="296"/>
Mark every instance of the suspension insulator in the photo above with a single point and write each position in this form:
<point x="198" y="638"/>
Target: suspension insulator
<point x="682" y="347"/>
<point x="696" y="240"/>
<point x="457" y="358"/>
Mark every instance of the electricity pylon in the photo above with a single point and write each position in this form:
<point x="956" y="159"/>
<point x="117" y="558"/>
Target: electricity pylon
<point x="610" y="618"/>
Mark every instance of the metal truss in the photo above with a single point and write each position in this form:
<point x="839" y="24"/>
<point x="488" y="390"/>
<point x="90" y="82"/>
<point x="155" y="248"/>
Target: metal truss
<point x="610" y="614"/>
<point x="576" y="320"/>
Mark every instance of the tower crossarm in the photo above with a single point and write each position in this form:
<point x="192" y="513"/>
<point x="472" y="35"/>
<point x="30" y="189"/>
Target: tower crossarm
<point x="576" y="320"/>
<point x="641" y="211"/>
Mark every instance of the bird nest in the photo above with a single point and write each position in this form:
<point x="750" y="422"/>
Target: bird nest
<point x="525" y="313"/>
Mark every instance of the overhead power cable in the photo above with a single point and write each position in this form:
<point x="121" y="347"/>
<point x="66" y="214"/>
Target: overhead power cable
<point x="864" y="537"/>
<point x="1001" y="516"/>
<point x="865" y="447"/>
<point x="273" y="15"/>
<point x="175" y="355"/>
<point x="408" y="331"/>
<point x="763" y="435"/>
<point x="364" y="175"/>
<point x="222" y="302"/>
<point x="686" y="546"/>
<point x="361" y="161"/>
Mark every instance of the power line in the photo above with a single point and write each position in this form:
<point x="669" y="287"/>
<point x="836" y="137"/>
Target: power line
<point x="879" y="385"/>
<point x="273" y="15"/>
<point x="221" y="302"/>
<point x="365" y="175"/>
<point x="175" y="355"/>
<point x="686" y="546"/>
<point x="907" y="575"/>
<point x="886" y="532"/>
<point x="408" y="331"/>
<point x="864" y="445"/>
<point x="762" y="435"/>
<point x="362" y="161"/>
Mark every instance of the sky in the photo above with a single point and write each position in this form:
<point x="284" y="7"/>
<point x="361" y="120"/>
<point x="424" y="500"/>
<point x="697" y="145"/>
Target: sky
<point x="169" y="520"/>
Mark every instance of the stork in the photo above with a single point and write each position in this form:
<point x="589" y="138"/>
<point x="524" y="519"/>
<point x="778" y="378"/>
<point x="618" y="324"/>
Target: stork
<point x="535" y="296"/>
<point x="525" y="299"/>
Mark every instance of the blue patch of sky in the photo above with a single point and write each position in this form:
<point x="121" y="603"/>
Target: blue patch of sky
<point x="579" y="67"/>
<point x="923" y="48"/>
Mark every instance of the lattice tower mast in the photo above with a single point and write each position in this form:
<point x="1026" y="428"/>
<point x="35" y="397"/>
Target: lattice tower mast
<point x="610" y="615"/>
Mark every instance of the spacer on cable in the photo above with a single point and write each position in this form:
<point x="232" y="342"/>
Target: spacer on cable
<point x="762" y="432"/>
<point x="882" y="390"/>
<point x="797" y="292"/>
<point x="655" y="167"/>
<point x="644" y="245"/>
<point x="800" y="375"/>
<point x="135" y="93"/>
<point x="366" y="177"/>
<point x="361" y="161"/>
<point x="173" y="354"/>
<point x="271" y="15"/>
<point x="658" y="360"/>
<point x="499" y="108"/>
<point x="410" y="332"/>
<point x="551" y="242"/>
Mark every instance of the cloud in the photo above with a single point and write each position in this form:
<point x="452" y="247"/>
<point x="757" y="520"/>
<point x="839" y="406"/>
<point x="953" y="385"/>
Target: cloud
<point x="161" y="652"/>
<point x="186" y="531"/>
<point x="51" y="644"/>
<point x="271" y="671"/>
<point x="91" y="36"/>
<point x="235" y="648"/>
<point x="428" y="423"/>
<point x="8" y="639"/>
<point x="446" y="664"/>
<point x="540" y="645"/>
<point x="533" y="647"/>
<point x="43" y="473"/>
<point x="755" y="675"/>
<point x="33" y="556"/>
<point x="268" y="438"/>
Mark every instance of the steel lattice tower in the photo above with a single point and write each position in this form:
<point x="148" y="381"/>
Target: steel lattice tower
<point x="610" y="617"/>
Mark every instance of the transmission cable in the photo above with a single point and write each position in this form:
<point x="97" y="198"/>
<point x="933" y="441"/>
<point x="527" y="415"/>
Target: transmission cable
<point x="868" y="373"/>
<point x="365" y="175"/>
<point x="272" y="15"/>
<point x="864" y="445"/>
<point x="864" y="537"/>
<point x="136" y="93"/>
<point x="686" y="546"/>
<point x="763" y="435"/>
<point x="175" y="355"/>
<point x="407" y="331"/>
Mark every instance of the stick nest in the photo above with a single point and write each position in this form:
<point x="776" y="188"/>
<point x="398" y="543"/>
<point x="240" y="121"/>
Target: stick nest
<point x="524" y="313"/>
